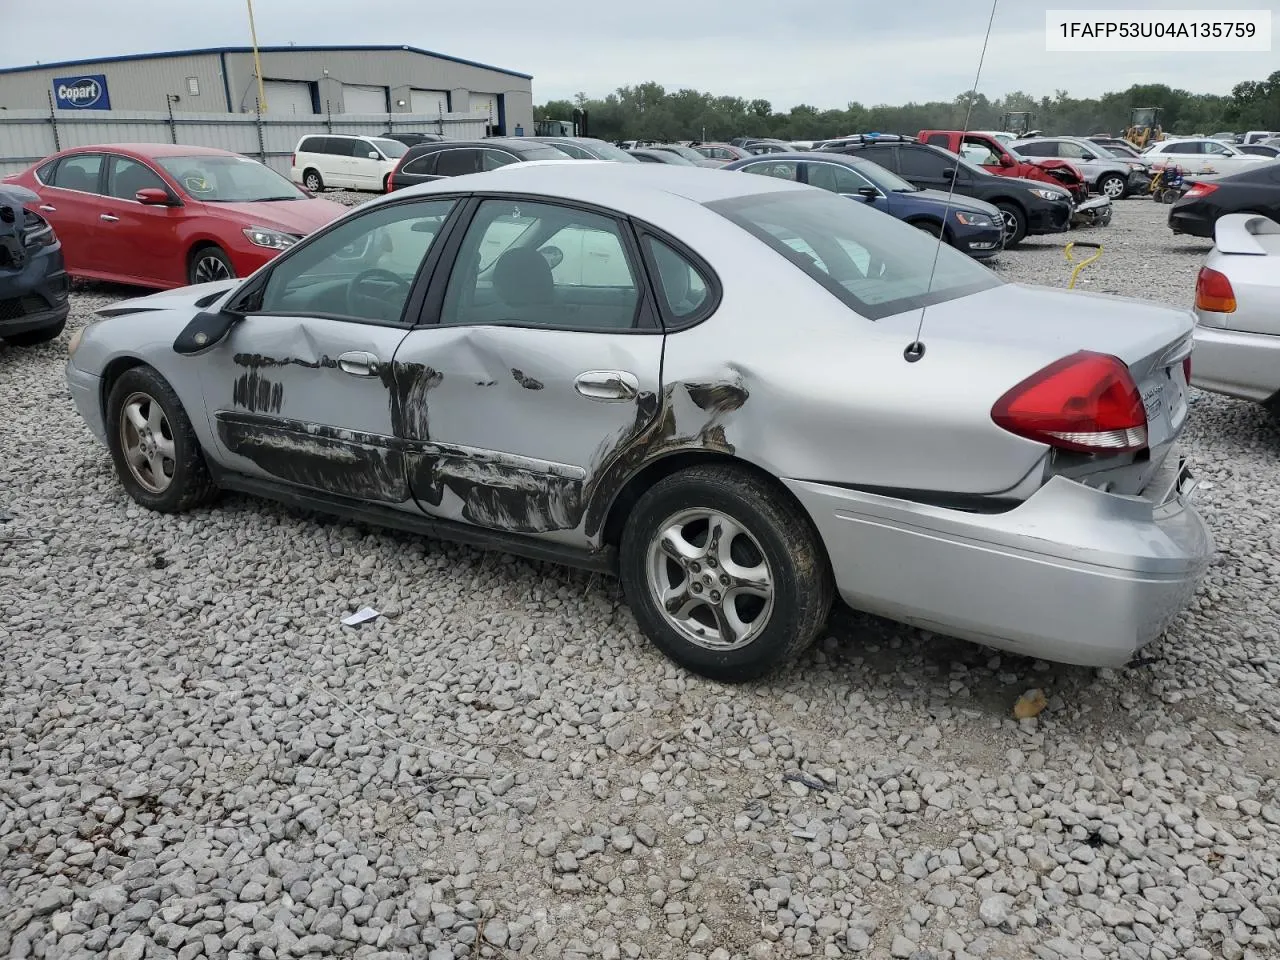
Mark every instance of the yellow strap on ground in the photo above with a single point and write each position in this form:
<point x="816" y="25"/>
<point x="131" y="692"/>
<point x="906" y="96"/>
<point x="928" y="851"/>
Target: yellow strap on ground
<point x="1080" y="265"/>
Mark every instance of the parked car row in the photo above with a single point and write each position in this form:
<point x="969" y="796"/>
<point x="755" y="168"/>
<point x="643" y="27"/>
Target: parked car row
<point x="658" y="422"/>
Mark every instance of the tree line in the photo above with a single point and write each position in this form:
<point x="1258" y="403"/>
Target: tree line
<point x="649" y="111"/>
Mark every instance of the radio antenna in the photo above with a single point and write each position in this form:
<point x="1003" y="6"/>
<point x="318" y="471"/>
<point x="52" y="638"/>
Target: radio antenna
<point x="915" y="349"/>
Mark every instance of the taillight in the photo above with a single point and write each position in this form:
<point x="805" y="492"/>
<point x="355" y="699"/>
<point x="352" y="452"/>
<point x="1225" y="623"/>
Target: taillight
<point x="1186" y="368"/>
<point x="1086" y="402"/>
<point x="1214" y="293"/>
<point x="1200" y="190"/>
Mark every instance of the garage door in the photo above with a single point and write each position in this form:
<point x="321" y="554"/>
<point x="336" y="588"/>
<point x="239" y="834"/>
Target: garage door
<point x="485" y="103"/>
<point x="357" y="99"/>
<point x="286" y="97"/>
<point x="433" y="102"/>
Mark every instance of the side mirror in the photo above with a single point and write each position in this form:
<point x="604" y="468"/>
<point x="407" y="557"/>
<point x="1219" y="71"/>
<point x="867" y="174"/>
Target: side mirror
<point x="1006" y="160"/>
<point x="950" y="173"/>
<point x="205" y="331"/>
<point x="1087" y="156"/>
<point x="153" y="197"/>
<point x="374" y="155"/>
<point x="858" y="197"/>
<point x="869" y="192"/>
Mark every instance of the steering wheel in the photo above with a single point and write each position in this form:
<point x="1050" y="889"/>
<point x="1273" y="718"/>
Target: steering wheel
<point x="378" y="304"/>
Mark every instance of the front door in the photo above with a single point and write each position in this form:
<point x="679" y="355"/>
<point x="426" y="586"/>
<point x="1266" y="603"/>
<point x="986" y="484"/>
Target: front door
<point x="302" y="390"/>
<point x="143" y="238"/>
<point x="541" y="370"/>
<point x="845" y="181"/>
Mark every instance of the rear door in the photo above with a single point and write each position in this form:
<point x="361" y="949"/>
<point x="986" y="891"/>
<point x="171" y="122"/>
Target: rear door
<point x="543" y="354"/>
<point x="457" y="162"/>
<point x="72" y="201"/>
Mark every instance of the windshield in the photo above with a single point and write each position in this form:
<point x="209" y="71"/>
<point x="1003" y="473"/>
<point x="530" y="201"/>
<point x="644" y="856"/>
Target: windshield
<point x="218" y="179"/>
<point x="543" y="152"/>
<point x="875" y="265"/>
<point x="607" y="151"/>
<point x="391" y="148"/>
<point x="886" y="180"/>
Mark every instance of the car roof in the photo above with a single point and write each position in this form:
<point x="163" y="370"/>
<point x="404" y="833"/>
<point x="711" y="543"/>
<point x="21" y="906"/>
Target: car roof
<point x="152" y="150"/>
<point x="813" y="156"/>
<point x="626" y="187"/>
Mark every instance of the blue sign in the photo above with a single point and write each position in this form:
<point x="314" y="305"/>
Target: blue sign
<point x="86" y="92"/>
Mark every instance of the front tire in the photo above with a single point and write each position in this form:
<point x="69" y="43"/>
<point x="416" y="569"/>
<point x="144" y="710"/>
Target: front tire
<point x="153" y="445"/>
<point x="1015" y="224"/>
<point x="724" y="573"/>
<point x="210" y="264"/>
<point x="1112" y="186"/>
<point x="928" y="226"/>
<point x="31" y="338"/>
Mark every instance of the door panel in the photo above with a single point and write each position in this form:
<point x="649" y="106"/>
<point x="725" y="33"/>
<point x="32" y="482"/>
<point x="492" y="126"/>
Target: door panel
<point x="142" y="240"/>
<point x="72" y="203"/>
<point x="514" y="426"/>
<point x="300" y="394"/>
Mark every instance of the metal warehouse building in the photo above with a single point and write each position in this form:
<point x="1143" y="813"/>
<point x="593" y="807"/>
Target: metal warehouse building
<point x="298" y="81"/>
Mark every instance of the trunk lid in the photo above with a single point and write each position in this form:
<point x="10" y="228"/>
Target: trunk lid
<point x="1040" y="326"/>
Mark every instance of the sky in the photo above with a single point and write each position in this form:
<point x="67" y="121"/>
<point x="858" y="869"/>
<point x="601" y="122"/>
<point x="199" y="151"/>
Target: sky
<point x="822" y="52"/>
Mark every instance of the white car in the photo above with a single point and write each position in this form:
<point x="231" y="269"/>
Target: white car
<point x="1237" y="337"/>
<point x="1203" y="156"/>
<point x="336" y="160"/>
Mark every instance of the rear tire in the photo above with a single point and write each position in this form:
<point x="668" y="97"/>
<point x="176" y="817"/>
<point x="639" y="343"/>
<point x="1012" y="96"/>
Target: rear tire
<point x="208" y="265"/>
<point x="745" y="600"/>
<point x="32" y="338"/>
<point x="1015" y="224"/>
<point x="153" y="445"/>
<point x="312" y="180"/>
<point x="386" y="183"/>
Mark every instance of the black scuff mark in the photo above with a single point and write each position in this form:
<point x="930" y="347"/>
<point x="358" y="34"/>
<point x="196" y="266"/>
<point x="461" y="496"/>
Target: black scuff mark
<point x="343" y="462"/>
<point x="529" y="383"/>
<point x="256" y="393"/>
<point x="257" y="361"/>
<point x="498" y="494"/>
<point x="408" y="385"/>
<point x="717" y="397"/>
<point x="486" y="383"/>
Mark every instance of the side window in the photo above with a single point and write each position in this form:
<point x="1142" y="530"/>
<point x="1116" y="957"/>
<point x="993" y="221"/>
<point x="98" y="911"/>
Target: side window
<point x="79" y="172"/>
<point x="363" y="269"/>
<point x="554" y="266"/>
<point x="924" y="164"/>
<point x="1069" y="151"/>
<point x="493" y="159"/>
<point x="457" y="163"/>
<point x="937" y="139"/>
<point x="311" y="145"/>
<point x="782" y="170"/>
<point x="126" y="177"/>
<point x="423" y="166"/>
<point x="1217" y="149"/>
<point x="982" y="154"/>
<point x="341" y="146"/>
<point x="684" y="289"/>
<point x="837" y="179"/>
<point x="44" y="172"/>
<point x="1190" y="148"/>
<point x="572" y="149"/>
<point x="1035" y="149"/>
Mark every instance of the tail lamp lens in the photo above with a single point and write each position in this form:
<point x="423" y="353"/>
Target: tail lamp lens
<point x="1214" y="293"/>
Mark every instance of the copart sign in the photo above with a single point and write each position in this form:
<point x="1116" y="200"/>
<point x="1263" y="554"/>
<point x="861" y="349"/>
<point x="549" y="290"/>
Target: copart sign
<point x="86" y="92"/>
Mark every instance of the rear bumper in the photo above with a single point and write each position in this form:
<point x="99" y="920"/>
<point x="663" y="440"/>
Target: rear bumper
<point x="1072" y="575"/>
<point x="1189" y="222"/>
<point x="1244" y="365"/>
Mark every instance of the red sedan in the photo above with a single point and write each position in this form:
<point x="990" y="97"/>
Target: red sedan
<point x="162" y="215"/>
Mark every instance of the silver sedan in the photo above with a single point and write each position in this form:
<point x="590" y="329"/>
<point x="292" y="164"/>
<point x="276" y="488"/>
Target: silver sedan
<point x="1238" y="311"/>
<point x="710" y="385"/>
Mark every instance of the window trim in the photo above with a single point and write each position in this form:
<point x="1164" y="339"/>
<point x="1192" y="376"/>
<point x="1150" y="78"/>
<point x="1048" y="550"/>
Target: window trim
<point x="645" y="320"/>
<point x="102" y="174"/>
<point x="417" y="291"/>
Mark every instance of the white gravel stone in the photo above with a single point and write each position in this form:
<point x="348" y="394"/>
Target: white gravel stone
<point x="199" y="760"/>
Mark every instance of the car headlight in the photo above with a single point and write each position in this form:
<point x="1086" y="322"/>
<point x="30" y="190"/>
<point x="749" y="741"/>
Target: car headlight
<point x="266" y="237"/>
<point x="1050" y="194"/>
<point x="974" y="219"/>
<point x="74" y="342"/>
<point x="37" y="231"/>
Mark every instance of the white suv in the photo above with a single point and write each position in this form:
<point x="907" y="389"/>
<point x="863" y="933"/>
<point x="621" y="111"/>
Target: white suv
<point x="334" y="160"/>
<point x="1203" y="156"/>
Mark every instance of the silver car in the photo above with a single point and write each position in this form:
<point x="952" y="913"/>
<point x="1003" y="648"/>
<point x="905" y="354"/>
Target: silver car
<point x="1238" y="311"/>
<point x="1112" y="176"/>
<point x="708" y="384"/>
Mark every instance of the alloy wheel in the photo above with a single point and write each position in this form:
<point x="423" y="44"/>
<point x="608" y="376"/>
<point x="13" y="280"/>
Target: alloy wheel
<point x="710" y="580"/>
<point x="210" y="268"/>
<point x="1113" y="188"/>
<point x="147" y="441"/>
<point x="1010" y="225"/>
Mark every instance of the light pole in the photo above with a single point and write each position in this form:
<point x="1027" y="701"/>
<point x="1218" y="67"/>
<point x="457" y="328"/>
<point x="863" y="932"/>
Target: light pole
<point x="257" y="61"/>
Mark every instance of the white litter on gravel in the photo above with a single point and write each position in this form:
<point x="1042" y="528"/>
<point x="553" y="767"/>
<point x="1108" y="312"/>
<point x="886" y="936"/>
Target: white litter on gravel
<point x="199" y="760"/>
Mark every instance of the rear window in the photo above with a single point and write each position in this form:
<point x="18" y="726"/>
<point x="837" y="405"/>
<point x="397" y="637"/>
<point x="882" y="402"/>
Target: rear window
<point x="873" y="264"/>
<point x="544" y="152"/>
<point x="390" y="148"/>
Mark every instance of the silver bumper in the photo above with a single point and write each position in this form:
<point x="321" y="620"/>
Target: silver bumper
<point x="1244" y="365"/>
<point x="86" y="392"/>
<point x="1072" y="575"/>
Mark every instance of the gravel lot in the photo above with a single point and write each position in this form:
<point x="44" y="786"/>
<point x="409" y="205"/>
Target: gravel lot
<point x="199" y="760"/>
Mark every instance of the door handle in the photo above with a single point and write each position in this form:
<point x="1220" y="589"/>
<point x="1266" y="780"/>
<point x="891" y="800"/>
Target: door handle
<point x="108" y="217"/>
<point x="358" y="363"/>
<point x="49" y="207"/>
<point x="609" y="386"/>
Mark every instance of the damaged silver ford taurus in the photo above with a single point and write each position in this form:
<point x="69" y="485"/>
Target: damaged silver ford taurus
<point x="743" y="396"/>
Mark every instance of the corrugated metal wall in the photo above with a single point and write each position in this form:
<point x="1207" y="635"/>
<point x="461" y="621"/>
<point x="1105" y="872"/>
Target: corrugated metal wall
<point x="30" y="135"/>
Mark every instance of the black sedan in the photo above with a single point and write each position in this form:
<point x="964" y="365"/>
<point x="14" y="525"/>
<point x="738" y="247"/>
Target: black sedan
<point x="1256" y="190"/>
<point x="413" y="139"/>
<point x="33" y="279"/>
<point x="455" y="158"/>
<point x="969" y="225"/>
